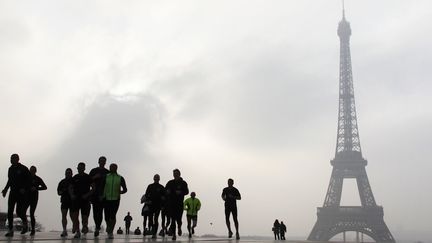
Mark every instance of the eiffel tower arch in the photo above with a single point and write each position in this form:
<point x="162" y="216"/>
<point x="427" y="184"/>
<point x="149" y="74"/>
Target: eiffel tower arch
<point x="348" y="164"/>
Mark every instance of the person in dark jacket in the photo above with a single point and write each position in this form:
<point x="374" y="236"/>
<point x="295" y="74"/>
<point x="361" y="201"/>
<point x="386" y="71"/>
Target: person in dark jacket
<point x="81" y="189"/>
<point x="65" y="199"/>
<point x="37" y="185"/>
<point x="19" y="182"/>
<point x="128" y="219"/>
<point x="176" y="189"/>
<point x="230" y="195"/>
<point x="276" y="229"/>
<point x="282" y="230"/>
<point x="97" y="175"/>
<point x="155" y="194"/>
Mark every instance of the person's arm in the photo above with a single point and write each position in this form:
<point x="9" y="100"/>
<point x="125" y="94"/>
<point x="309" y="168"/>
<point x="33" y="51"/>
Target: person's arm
<point x="185" y="189"/>
<point x="6" y="188"/>
<point x="123" y="187"/>
<point x="41" y="185"/>
<point x="186" y="204"/>
<point x="60" y="189"/>
<point x="238" y="196"/>
<point x="198" y="205"/>
<point x="223" y="195"/>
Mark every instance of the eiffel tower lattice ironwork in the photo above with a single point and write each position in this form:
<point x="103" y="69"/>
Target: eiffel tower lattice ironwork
<point x="348" y="163"/>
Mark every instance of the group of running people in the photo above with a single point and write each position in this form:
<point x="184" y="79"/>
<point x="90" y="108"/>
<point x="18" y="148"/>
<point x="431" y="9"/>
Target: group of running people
<point x="102" y="189"/>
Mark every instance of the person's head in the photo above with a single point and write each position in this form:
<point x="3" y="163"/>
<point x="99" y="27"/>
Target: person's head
<point x="113" y="168"/>
<point x="281" y="222"/>
<point x="193" y="194"/>
<point x="102" y="161"/>
<point x="81" y="167"/>
<point x="33" y="170"/>
<point x="230" y="182"/>
<point x="14" y="159"/>
<point x="156" y="178"/>
<point x="68" y="173"/>
<point x="176" y="174"/>
<point x="128" y="213"/>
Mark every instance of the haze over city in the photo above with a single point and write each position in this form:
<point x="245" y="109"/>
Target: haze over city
<point x="220" y="89"/>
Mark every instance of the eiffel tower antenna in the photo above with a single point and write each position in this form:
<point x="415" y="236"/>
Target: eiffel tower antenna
<point x="343" y="9"/>
<point x="368" y="218"/>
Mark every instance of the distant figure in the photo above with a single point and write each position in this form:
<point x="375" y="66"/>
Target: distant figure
<point x="282" y="230"/>
<point x="119" y="231"/>
<point x="192" y="205"/>
<point x="137" y="231"/>
<point x="155" y="194"/>
<point x="81" y="189"/>
<point x="37" y="185"/>
<point x="128" y="220"/>
<point x="176" y="189"/>
<point x="65" y="199"/>
<point x="230" y="195"/>
<point x="19" y="182"/>
<point x="97" y="175"/>
<point x="114" y="186"/>
<point x="276" y="230"/>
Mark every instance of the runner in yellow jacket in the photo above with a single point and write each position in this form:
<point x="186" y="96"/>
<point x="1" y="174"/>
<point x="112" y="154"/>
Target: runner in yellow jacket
<point x="192" y="205"/>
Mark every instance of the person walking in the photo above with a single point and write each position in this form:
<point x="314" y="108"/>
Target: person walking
<point x="98" y="179"/>
<point x="65" y="199"/>
<point x="155" y="194"/>
<point x="81" y="189"/>
<point x="230" y="195"/>
<point x="282" y="230"/>
<point x="176" y="189"/>
<point x="276" y="230"/>
<point x="37" y="185"/>
<point x="128" y="220"/>
<point x="192" y="205"/>
<point x="115" y="185"/>
<point x="19" y="182"/>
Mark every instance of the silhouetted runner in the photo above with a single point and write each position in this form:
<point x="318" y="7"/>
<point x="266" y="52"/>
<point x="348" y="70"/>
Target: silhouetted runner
<point x="37" y="185"/>
<point x="282" y="230"/>
<point x="276" y="230"/>
<point x="128" y="220"/>
<point x="119" y="231"/>
<point x="176" y="189"/>
<point x="19" y="182"/>
<point x="192" y="205"/>
<point x="114" y="186"/>
<point x="230" y="195"/>
<point x="155" y="194"/>
<point x="81" y="189"/>
<point x="65" y="199"/>
<point x="137" y="231"/>
<point x="98" y="178"/>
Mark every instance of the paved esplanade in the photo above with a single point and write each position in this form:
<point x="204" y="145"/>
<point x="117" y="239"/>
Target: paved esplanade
<point x="55" y="237"/>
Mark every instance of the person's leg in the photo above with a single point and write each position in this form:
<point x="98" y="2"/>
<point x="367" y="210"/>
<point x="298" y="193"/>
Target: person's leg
<point x="98" y="208"/>
<point x="33" y="205"/>
<point x="194" y="223"/>
<point x="74" y="214"/>
<point x="85" y="212"/>
<point x="179" y="220"/>
<point x="155" y="222"/>
<point x="21" y="211"/>
<point x="64" y="211"/>
<point x="236" y="224"/>
<point x="227" y="221"/>
<point x="189" y="221"/>
<point x="10" y="214"/>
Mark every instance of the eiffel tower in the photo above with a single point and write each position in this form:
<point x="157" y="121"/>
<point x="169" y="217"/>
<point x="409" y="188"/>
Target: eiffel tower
<point x="348" y="163"/>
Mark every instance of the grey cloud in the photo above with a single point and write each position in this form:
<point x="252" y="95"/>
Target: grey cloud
<point x="122" y="128"/>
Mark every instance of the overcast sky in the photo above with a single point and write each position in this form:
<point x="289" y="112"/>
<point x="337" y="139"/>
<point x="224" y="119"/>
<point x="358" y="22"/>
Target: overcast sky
<point x="222" y="89"/>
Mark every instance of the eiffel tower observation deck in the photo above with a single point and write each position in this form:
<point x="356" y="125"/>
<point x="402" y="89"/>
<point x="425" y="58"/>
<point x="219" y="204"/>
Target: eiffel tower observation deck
<point x="333" y="218"/>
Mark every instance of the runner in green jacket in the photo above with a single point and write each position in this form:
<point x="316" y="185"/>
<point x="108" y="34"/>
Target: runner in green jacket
<point x="192" y="205"/>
